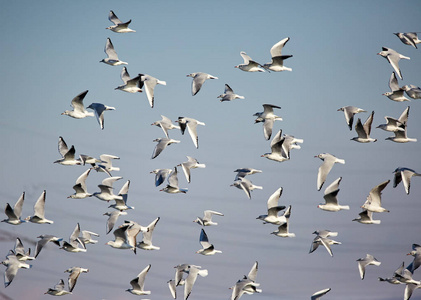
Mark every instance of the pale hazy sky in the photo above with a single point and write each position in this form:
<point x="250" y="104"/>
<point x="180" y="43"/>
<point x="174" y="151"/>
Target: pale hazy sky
<point x="51" y="52"/>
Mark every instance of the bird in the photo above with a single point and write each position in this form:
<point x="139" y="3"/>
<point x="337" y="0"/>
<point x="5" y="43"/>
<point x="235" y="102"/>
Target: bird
<point x="366" y="217"/>
<point x="131" y="85"/>
<point x="408" y="38"/>
<point x="393" y="58"/>
<point x="244" y="286"/>
<point x="160" y="175"/>
<point x="133" y="229"/>
<point x="162" y="144"/>
<point x="86" y="237"/>
<point x="364" y="131"/>
<point x="44" y="239"/>
<point x="121" y="202"/>
<point x="74" y="275"/>
<point x="401" y="137"/>
<point x="112" y="219"/>
<point x="112" y="58"/>
<point x="281" y="146"/>
<point x="106" y="164"/>
<point x="416" y="253"/>
<point x="13" y="264"/>
<point x="272" y="215"/>
<point x="322" y="239"/>
<point x="393" y="124"/>
<point x="191" y="163"/>
<point x="139" y="282"/>
<point x="277" y="63"/>
<point x="80" y="188"/>
<point x="106" y="187"/>
<point x="120" y="239"/>
<point x="199" y="79"/>
<point x="404" y="175"/>
<point x="58" y="289"/>
<point x="191" y="125"/>
<point x="367" y="260"/>
<point x="229" y="94"/>
<point x="373" y="202"/>
<point x="243" y="172"/>
<point x="192" y="271"/>
<point x="396" y="93"/>
<point x="149" y="83"/>
<point x="99" y="110"/>
<point x="283" y="229"/>
<point x="317" y="295"/>
<point x="330" y="196"/>
<point x="246" y="185"/>
<point x="14" y="214"/>
<point x="19" y="251"/>
<point x="146" y="243"/>
<point x="412" y="91"/>
<point x="349" y="112"/>
<point x="79" y="111"/>
<point x="68" y="155"/>
<point x="39" y="211"/>
<point x="207" y="248"/>
<point x="118" y="26"/>
<point x="328" y="161"/>
<point x="74" y="242"/>
<point x="165" y="124"/>
<point x="172" y="186"/>
<point x="207" y="218"/>
<point x="268" y="118"/>
<point x="403" y="275"/>
<point x="249" y="65"/>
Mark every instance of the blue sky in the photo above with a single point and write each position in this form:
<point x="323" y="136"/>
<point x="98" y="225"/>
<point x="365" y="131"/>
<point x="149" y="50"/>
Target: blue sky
<point x="51" y="52"/>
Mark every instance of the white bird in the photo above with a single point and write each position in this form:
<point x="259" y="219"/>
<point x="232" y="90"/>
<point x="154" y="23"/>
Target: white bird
<point x="192" y="271"/>
<point x="322" y="239"/>
<point x="106" y="187"/>
<point x="366" y="217"/>
<point x="243" y="172"/>
<point x="191" y="163"/>
<point x="409" y="38"/>
<point x="331" y="198"/>
<point x="283" y="229"/>
<point x="112" y="219"/>
<point x="165" y="124"/>
<point x="416" y="253"/>
<point x="404" y="175"/>
<point x="172" y="186"/>
<point x="160" y="175"/>
<point x="39" y="211"/>
<point x="133" y="229"/>
<point x="44" y="239"/>
<point x="373" y="202"/>
<point x="131" y="85"/>
<point x="393" y="124"/>
<point x="272" y="215"/>
<point x="412" y="91"/>
<point x="74" y="242"/>
<point x="74" y="275"/>
<point x="146" y="243"/>
<point x="138" y="283"/>
<point x="199" y="79"/>
<point x="277" y="63"/>
<point x="364" y="131"/>
<point x="118" y="26"/>
<point x="19" y="251"/>
<point x="405" y="276"/>
<point x="268" y="118"/>
<point x="13" y="264"/>
<point x="68" y="155"/>
<point x="79" y="111"/>
<point x="349" y="112"/>
<point x="396" y="93"/>
<point x="112" y="58"/>
<point x="246" y="185"/>
<point x="99" y="110"/>
<point x="162" y="144"/>
<point x="393" y="58"/>
<point x="249" y="65"/>
<point x="207" y="218"/>
<point x="401" y="137"/>
<point x="191" y="125"/>
<point x="121" y="202"/>
<point x="86" y="237"/>
<point x="229" y="94"/>
<point x="280" y="148"/>
<point x="364" y="262"/>
<point x="244" y="286"/>
<point x="328" y="161"/>
<point x="80" y="188"/>
<point x="58" y="289"/>
<point x="207" y="248"/>
<point x="149" y="83"/>
<point x="14" y="214"/>
<point x="120" y="239"/>
<point x="106" y="164"/>
<point x="317" y="295"/>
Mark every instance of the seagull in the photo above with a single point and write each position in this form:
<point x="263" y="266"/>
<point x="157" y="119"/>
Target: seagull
<point x="146" y="243"/>
<point x="393" y="58"/>
<point x="165" y="124"/>
<point x="192" y="271"/>
<point x="74" y="275"/>
<point x="58" y="289"/>
<point x="133" y="229"/>
<point x="44" y="239"/>
<point x="268" y="118"/>
<point x="393" y="124"/>
<point x="86" y="237"/>
<point x="229" y="94"/>
<point x="244" y="286"/>
<point x="277" y="64"/>
<point x="366" y="217"/>
<point x="367" y="260"/>
<point x="160" y="175"/>
<point x="328" y="161"/>
<point x="207" y="218"/>
<point x="405" y="276"/>
<point x="272" y="215"/>
<point x="118" y="26"/>
<point x="243" y="172"/>
<point x="373" y="202"/>
<point x="131" y="85"/>
<point x="283" y="229"/>
<point x="349" y="112"/>
<point x="199" y="79"/>
<point x="330" y="196"/>
<point x="19" y="251"/>
<point x="416" y="253"/>
<point x="120" y="239"/>
<point x="162" y="144"/>
<point x="80" y="187"/>
<point x="68" y="155"/>
<point x="322" y="239"/>
<point x="191" y="125"/>
<point x="39" y="209"/>
<point x="112" y="58"/>
<point x="279" y="153"/>
<point x="13" y="264"/>
<point x="396" y="93"/>
<point x="249" y="65"/>
<point x="74" y="241"/>
<point x="412" y="91"/>
<point x="106" y="187"/>
<point x="99" y="109"/>
<point x="106" y="164"/>
<point x="191" y="163"/>
<point x="149" y="83"/>
<point x="364" y="131"/>
<point x="404" y="175"/>
<point x="207" y="248"/>
<point x="172" y="186"/>
<point x="79" y="111"/>
<point x="409" y="38"/>
<point x="112" y="219"/>
<point x="121" y="203"/>
<point x="401" y="137"/>
<point x="139" y="282"/>
<point x="14" y="214"/>
<point x="319" y="294"/>
<point x="246" y="185"/>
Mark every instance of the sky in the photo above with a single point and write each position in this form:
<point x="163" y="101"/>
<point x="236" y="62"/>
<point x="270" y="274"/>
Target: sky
<point x="51" y="52"/>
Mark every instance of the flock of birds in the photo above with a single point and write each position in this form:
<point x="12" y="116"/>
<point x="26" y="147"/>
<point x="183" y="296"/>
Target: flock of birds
<point x="126" y="235"/>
